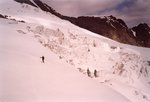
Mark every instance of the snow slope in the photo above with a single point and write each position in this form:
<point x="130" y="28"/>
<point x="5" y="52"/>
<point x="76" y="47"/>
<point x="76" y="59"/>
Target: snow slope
<point x="67" y="49"/>
<point x="25" y="79"/>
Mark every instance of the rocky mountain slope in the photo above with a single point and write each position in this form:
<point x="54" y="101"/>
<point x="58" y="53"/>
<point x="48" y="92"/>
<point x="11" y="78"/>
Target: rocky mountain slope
<point x="110" y="26"/>
<point x="142" y="34"/>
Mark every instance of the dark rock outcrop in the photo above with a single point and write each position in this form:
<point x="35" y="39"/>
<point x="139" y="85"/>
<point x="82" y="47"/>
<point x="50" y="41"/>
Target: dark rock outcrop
<point x="142" y="34"/>
<point x="26" y="2"/>
<point x="3" y="16"/>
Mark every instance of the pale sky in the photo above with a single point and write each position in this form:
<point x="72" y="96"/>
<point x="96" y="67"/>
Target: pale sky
<point x="132" y="12"/>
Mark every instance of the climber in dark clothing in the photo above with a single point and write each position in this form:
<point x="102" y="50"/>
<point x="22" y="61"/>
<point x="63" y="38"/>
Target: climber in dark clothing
<point x="88" y="73"/>
<point x="95" y="73"/>
<point x="42" y="58"/>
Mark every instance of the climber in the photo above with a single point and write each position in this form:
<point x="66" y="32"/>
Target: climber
<point x="43" y="58"/>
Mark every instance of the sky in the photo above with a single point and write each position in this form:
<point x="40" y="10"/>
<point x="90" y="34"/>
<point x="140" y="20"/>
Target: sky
<point x="132" y="12"/>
